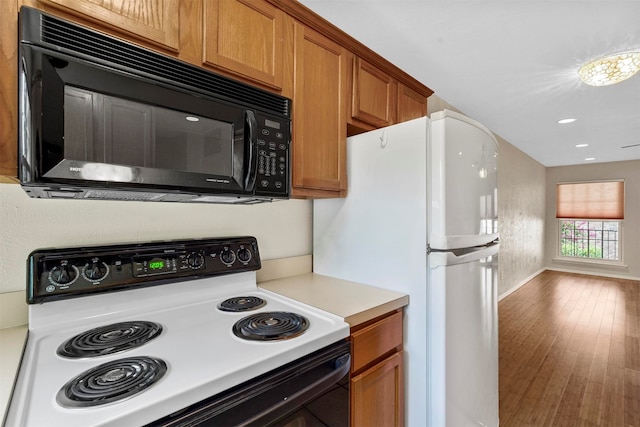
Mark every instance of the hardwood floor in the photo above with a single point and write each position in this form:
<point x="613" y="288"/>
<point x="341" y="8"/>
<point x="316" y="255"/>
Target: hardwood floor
<point x="570" y="352"/>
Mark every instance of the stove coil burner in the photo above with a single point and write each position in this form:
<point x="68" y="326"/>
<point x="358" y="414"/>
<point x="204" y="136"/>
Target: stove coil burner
<point x="271" y="326"/>
<point x="239" y="304"/>
<point x="110" y="339"/>
<point x="111" y="382"/>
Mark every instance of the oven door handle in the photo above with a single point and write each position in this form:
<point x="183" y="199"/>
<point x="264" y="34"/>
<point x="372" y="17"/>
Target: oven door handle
<point x="297" y="399"/>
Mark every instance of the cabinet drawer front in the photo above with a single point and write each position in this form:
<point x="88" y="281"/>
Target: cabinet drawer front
<point x="376" y="340"/>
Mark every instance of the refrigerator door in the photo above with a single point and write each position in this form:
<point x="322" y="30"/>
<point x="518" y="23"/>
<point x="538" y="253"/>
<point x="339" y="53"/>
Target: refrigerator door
<point x="462" y="182"/>
<point x="463" y="344"/>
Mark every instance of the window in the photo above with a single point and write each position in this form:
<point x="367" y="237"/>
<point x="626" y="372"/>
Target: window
<point x="590" y="216"/>
<point x="590" y="239"/>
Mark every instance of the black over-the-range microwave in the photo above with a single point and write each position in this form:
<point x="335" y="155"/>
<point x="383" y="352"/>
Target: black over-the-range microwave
<point x="101" y="118"/>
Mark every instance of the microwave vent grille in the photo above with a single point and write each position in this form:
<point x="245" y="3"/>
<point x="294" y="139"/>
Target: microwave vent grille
<point x="107" y="50"/>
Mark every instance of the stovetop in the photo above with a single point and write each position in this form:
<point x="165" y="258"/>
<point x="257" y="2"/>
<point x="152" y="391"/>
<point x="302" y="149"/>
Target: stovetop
<point x="197" y="344"/>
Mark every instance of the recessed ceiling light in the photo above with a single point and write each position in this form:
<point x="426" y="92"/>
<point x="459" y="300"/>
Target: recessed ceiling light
<point x="565" y="121"/>
<point x="192" y="119"/>
<point x="610" y="69"/>
<point x="590" y="158"/>
<point x="581" y="145"/>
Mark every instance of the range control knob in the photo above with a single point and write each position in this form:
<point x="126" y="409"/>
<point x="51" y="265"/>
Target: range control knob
<point x="195" y="260"/>
<point x="227" y="256"/>
<point x="63" y="274"/>
<point x="95" y="270"/>
<point x="244" y="255"/>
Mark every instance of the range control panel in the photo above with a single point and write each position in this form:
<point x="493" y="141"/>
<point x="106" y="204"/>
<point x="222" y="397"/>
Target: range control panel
<point x="72" y="272"/>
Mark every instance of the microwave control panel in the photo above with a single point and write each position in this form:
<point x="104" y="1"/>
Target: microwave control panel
<point x="63" y="273"/>
<point x="273" y="155"/>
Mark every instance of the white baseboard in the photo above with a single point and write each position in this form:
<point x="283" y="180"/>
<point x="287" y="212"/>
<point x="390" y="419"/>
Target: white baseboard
<point x="519" y="285"/>
<point x="592" y="273"/>
<point x="564" y="270"/>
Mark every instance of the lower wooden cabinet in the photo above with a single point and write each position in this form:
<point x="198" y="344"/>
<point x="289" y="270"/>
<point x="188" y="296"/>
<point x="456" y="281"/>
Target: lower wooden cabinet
<point x="377" y="384"/>
<point x="377" y="395"/>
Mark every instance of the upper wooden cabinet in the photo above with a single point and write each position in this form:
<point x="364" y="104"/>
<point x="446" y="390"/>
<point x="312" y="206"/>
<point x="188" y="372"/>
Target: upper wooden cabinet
<point x="378" y="99"/>
<point x="153" y="20"/>
<point x="319" y="116"/>
<point x="373" y="95"/>
<point x="245" y="37"/>
<point x="411" y="104"/>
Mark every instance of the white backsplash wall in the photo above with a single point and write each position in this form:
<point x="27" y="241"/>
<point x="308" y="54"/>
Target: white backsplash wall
<point x="283" y="228"/>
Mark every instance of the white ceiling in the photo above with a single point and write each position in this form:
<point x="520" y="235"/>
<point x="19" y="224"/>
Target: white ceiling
<point x="512" y="65"/>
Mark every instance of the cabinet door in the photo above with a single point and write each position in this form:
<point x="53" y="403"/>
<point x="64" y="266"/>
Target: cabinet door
<point x="319" y="119"/>
<point x="411" y="104"/>
<point x="153" y="20"/>
<point x="373" y="99"/>
<point x="245" y="37"/>
<point x="377" y="394"/>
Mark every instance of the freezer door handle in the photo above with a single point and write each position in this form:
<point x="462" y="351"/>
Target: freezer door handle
<point x="442" y="258"/>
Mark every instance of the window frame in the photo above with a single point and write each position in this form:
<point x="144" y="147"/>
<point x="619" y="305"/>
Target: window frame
<point x="589" y="260"/>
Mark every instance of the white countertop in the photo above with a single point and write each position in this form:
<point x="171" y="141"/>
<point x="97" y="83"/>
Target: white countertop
<point x="12" y="341"/>
<point x="354" y="302"/>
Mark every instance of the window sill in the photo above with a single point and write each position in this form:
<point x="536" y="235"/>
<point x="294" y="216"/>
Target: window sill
<point x="608" y="265"/>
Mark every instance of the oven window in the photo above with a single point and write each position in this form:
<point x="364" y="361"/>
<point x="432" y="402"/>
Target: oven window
<point x="106" y="129"/>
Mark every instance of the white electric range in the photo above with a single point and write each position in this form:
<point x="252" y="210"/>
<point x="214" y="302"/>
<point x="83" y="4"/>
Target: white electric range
<point x="169" y="333"/>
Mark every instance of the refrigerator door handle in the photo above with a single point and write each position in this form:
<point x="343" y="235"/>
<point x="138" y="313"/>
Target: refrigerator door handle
<point x="440" y="258"/>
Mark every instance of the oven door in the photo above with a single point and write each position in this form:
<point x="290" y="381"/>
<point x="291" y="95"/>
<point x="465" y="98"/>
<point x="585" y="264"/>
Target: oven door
<point x="311" y="391"/>
<point x="84" y="123"/>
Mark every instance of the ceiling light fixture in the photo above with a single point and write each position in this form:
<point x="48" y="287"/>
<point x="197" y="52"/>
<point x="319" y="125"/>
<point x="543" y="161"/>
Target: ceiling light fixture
<point x="192" y="119"/>
<point x="590" y="158"/>
<point x="610" y="69"/>
<point x="565" y="121"/>
<point x="581" y="145"/>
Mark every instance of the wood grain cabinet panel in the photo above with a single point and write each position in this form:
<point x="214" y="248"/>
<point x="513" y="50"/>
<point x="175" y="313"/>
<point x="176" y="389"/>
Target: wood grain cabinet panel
<point x="245" y="37"/>
<point x="379" y="99"/>
<point x="411" y="104"/>
<point x="377" y="395"/>
<point x="319" y="117"/>
<point x="373" y="97"/>
<point x="156" y="21"/>
<point x="377" y="383"/>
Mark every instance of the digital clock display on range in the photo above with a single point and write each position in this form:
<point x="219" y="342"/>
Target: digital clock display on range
<point x="152" y="266"/>
<point x="156" y="264"/>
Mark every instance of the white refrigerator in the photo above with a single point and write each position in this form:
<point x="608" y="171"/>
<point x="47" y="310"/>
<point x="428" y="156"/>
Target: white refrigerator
<point x="420" y="217"/>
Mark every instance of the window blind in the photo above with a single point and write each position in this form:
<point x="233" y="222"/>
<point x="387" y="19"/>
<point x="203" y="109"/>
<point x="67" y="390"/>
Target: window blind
<point x="590" y="200"/>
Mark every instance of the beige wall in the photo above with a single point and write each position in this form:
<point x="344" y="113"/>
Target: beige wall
<point x="283" y="229"/>
<point x="521" y="211"/>
<point x="630" y="172"/>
